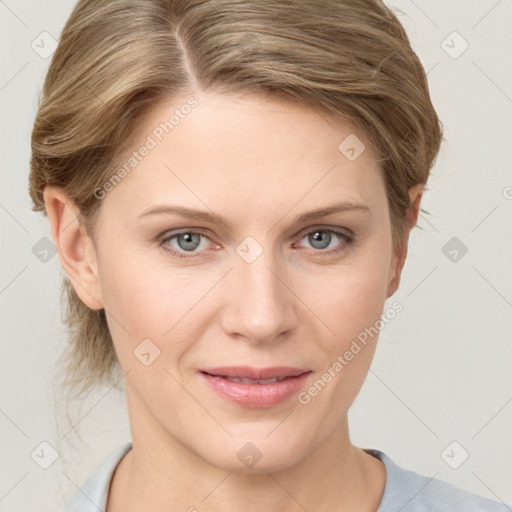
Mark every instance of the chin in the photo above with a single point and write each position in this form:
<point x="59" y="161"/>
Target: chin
<point x="268" y="463"/>
<point x="260" y="456"/>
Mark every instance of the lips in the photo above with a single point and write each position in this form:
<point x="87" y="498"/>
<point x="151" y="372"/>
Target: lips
<point x="256" y="388"/>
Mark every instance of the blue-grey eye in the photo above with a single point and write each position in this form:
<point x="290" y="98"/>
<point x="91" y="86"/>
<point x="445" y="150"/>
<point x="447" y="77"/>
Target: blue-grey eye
<point x="320" y="239"/>
<point x="188" y="241"/>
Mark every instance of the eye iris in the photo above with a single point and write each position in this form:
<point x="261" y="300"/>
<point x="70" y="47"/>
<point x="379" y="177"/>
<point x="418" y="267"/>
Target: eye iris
<point x="321" y="237"/>
<point x="191" y="240"/>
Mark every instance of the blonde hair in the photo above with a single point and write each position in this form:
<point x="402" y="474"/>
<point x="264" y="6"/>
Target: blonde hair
<point x="117" y="58"/>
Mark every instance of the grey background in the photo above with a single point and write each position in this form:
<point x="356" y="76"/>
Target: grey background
<point x="441" y="373"/>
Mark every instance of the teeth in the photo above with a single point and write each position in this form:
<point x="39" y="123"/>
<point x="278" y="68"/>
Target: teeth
<point x="254" y="381"/>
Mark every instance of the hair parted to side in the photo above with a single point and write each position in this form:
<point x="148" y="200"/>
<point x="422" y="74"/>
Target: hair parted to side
<point x="116" y="59"/>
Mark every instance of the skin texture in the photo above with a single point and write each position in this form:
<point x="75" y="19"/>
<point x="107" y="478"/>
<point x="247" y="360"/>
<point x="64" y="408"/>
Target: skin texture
<point x="259" y="162"/>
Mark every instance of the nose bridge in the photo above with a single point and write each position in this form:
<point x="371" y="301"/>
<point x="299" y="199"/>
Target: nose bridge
<point x="260" y="304"/>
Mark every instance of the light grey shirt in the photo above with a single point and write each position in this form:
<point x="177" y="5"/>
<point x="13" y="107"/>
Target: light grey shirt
<point x="405" y="491"/>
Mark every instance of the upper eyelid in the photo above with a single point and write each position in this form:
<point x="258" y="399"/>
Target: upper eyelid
<point x="305" y="231"/>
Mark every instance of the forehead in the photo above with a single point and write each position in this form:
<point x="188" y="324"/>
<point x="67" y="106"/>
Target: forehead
<point x="247" y="150"/>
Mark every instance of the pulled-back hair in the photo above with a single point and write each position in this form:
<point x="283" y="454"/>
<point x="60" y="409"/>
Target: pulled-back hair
<point x="116" y="59"/>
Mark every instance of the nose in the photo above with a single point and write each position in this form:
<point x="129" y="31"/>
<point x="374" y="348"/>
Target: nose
<point x="260" y="305"/>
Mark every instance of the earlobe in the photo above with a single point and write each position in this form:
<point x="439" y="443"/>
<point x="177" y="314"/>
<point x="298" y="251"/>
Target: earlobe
<point x="75" y="248"/>
<point x="397" y="266"/>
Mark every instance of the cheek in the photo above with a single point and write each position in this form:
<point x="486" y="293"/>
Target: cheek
<point x="352" y="309"/>
<point x="352" y="298"/>
<point x="135" y="297"/>
<point x="138" y="302"/>
<point x="152" y="302"/>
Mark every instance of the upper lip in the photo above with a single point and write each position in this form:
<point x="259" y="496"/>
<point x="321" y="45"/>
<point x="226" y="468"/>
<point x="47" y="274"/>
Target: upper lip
<point x="248" y="372"/>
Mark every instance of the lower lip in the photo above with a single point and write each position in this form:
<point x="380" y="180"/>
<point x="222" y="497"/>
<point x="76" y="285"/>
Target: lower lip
<point x="256" y="396"/>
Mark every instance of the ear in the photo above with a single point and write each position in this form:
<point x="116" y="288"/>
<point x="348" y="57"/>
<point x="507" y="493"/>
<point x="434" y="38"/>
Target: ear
<point x="76" y="250"/>
<point x="398" y="261"/>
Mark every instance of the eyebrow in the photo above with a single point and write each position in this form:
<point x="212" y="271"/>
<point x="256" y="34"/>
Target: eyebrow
<point x="203" y="216"/>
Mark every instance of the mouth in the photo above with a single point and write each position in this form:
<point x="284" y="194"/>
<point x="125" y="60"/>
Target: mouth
<point x="256" y="388"/>
<point x="244" y="380"/>
<point x="249" y="375"/>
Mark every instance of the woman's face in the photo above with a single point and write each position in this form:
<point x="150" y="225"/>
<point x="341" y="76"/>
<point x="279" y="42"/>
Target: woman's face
<point x="261" y="288"/>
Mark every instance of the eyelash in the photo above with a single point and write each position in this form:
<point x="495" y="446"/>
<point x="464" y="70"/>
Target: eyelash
<point x="346" y="236"/>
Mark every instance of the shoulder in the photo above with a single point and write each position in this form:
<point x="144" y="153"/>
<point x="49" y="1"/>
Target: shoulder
<point x="92" y="495"/>
<point x="408" y="491"/>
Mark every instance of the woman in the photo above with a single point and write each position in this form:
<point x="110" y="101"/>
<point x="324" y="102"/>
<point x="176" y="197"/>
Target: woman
<point x="231" y="187"/>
